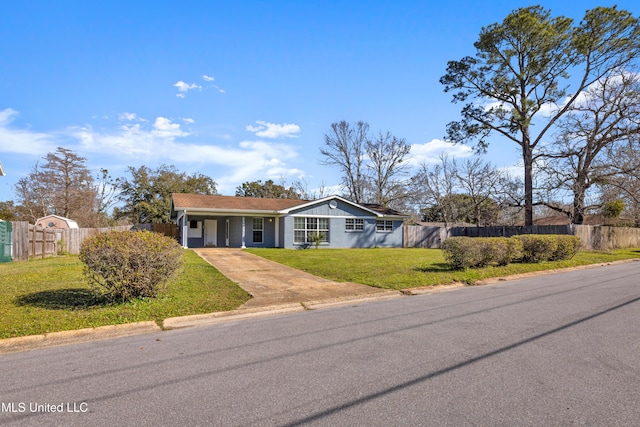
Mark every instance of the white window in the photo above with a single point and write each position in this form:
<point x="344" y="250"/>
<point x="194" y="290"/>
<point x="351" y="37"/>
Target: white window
<point x="384" y="226"/>
<point x="354" y="224"/>
<point x="303" y="228"/>
<point x="258" y="228"/>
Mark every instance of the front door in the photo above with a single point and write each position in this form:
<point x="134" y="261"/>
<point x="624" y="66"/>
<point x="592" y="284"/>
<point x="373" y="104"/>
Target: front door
<point x="211" y="232"/>
<point x="226" y="233"/>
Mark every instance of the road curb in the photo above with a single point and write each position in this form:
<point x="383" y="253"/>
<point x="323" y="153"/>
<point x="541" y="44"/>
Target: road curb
<point x="53" y="339"/>
<point x="425" y="290"/>
<point x="228" y="316"/>
<point x="494" y="280"/>
<point x="336" y="302"/>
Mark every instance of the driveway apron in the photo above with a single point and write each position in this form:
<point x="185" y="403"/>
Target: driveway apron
<point x="271" y="283"/>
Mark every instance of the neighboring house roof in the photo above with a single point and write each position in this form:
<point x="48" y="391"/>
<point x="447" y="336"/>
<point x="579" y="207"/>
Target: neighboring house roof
<point x="563" y="220"/>
<point x="206" y="203"/>
<point x="382" y="210"/>
<point x="444" y="224"/>
<point x="46" y="221"/>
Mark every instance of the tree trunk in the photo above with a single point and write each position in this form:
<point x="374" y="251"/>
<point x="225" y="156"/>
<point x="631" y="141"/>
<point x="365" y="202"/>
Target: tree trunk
<point x="527" y="157"/>
<point x="578" y="203"/>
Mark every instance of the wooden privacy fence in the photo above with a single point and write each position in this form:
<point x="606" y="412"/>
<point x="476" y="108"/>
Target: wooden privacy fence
<point x="603" y="237"/>
<point x="29" y="241"/>
<point x="72" y="238"/>
<point x="169" y="230"/>
<point x="592" y="236"/>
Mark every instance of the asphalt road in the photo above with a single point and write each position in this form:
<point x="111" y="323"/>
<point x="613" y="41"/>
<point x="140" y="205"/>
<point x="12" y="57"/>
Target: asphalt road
<point x="560" y="349"/>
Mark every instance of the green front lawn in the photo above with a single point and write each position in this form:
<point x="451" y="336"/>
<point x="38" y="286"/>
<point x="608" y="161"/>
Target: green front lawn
<point x="52" y="295"/>
<point x="410" y="268"/>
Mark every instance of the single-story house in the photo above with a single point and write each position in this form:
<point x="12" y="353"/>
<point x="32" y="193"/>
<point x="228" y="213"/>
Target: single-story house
<point x="55" y="221"/>
<point x="240" y="222"/>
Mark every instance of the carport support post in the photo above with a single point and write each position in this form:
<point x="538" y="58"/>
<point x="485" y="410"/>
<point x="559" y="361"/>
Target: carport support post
<point x="185" y="230"/>
<point x="243" y="234"/>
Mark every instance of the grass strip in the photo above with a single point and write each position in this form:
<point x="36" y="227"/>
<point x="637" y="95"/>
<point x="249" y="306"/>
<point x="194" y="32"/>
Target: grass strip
<point x="402" y="268"/>
<point x="51" y="295"/>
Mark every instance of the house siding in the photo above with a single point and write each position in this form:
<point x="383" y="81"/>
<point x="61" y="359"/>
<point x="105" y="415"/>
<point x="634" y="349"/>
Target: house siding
<point x="339" y="237"/>
<point x="324" y="210"/>
<point x="235" y="232"/>
<point x="336" y="213"/>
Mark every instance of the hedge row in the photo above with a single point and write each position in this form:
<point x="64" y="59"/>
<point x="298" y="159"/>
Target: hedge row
<point x="465" y="252"/>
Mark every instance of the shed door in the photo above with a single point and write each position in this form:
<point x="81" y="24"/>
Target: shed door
<point x="211" y="232"/>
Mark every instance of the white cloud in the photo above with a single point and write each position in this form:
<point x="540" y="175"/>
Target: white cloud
<point x="165" y="128"/>
<point x="163" y="142"/>
<point x="211" y="79"/>
<point x="22" y="141"/>
<point x="135" y="141"/>
<point x="188" y="120"/>
<point x="7" y="116"/>
<point x="130" y="117"/>
<point x="273" y="130"/>
<point x="183" y="88"/>
<point x="138" y="140"/>
<point x="430" y="152"/>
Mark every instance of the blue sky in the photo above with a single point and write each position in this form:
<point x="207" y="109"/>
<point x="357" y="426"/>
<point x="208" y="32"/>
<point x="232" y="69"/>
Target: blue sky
<point x="236" y="90"/>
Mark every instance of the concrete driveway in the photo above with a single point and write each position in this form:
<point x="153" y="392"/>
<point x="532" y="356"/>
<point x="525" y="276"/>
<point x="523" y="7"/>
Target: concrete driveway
<point x="272" y="284"/>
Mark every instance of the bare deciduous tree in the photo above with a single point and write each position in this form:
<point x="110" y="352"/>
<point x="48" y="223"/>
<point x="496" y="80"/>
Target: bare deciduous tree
<point x="623" y="182"/>
<point x="372" y="167"/>
<point x="531" y="61"/>
<point x="63" y="186"/>
<point x="344" y="147"/>
<point x="607" y="116"/>
<point x="386" y="165"/>
<point x="470" y="191"/>
<point x="433" y="185"/>
<point x="480" y="182"/>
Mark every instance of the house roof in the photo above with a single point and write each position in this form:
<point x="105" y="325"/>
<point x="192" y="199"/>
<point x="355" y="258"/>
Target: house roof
<point x="199" y="202"/>
<point x="181" y="201"/>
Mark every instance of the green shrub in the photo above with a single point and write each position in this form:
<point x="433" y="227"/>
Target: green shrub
<point x="537" y="247"/>
<point x="500" y="250"/>
<point x="516" y="249"/>
<point x="466" y="252"/>
<point x="568" y="247"/>
<point x="462" y="252"/>
<point x="548" y="247"/>
<point x="316" y="238"/>
<point x="130" y="264"/>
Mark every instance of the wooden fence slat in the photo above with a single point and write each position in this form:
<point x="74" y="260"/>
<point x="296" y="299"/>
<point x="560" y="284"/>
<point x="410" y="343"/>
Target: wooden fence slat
<point x="30" y="241"/>
<point x="592" y="237"/>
